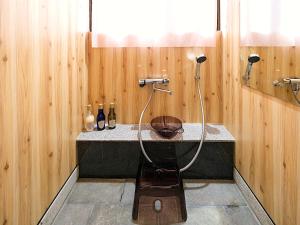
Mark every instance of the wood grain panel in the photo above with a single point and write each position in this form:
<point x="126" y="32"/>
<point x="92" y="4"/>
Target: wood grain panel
<point x="266" y="128"/>
<point x="276" y="63"/>
<point x="114" y="75"/>
<point x="43" y="85"/>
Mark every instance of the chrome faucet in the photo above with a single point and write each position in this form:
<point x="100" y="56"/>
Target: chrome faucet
<point x="154" y="82"/>
<point x="143" y="82"/>
<point x="291" y="82"/>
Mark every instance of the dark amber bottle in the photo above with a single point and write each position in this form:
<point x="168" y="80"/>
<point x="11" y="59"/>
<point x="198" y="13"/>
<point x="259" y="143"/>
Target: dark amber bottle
<point x="112" y="116"/>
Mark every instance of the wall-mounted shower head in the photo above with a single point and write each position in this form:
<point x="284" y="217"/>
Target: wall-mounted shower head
<point x="252" y="58"/>
<point x="199" y="59"/>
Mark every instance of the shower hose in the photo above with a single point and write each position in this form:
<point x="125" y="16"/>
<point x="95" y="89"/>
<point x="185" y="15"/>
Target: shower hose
<point x="203" y="134"/>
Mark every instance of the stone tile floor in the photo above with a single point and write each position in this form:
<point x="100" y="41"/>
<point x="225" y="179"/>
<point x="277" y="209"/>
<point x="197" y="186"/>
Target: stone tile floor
<point x="107" y="202"/>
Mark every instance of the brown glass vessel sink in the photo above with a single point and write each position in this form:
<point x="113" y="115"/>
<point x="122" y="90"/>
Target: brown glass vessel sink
<point x="167" y="126"/>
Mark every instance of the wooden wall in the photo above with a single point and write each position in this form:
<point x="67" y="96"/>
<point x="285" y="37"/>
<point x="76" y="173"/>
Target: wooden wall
<point x="276" y="63"/>
<point x="114" y="75"/>
<point x="43" y="85"/>
<point x="267" y="133"/>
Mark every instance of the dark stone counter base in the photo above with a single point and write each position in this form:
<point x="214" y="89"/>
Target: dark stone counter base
<point x="121" y="159"/>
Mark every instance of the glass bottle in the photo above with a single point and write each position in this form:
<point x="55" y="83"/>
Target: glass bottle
<point x="100" y="118"/>
<point x="89" y="119"/>
<point x="111" y="116"/>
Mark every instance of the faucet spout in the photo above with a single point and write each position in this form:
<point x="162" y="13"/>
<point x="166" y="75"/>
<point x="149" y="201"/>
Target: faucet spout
<point x="161" y="90"/>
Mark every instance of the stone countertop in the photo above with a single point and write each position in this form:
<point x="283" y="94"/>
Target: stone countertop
<point x="129" y="132"/>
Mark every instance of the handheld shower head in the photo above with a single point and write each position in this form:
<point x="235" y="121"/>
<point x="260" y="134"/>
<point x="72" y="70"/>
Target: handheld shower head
<point x="252" y="58"/>
<point x="199" y="59"/>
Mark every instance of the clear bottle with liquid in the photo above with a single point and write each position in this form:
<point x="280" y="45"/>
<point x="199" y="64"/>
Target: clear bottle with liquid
<point x="89" y="119"/>
<point x="100" y="118"/>
<point x="111" y="116"/>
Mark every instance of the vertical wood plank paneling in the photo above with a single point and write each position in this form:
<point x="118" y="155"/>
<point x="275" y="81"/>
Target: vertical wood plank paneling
<point x="114" y="75"/>
<point x="43" y="86"/>
<point x="266" y="129"/>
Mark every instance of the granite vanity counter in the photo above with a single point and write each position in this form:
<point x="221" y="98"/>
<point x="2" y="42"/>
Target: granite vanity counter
<point x="129" y="132"/>
<point x="116" y="153"/>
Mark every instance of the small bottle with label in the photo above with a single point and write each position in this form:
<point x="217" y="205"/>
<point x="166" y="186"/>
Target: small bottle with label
<point x="89" y="119"/>
<point x="100" y="118"/>
<point x="111" y="116"/>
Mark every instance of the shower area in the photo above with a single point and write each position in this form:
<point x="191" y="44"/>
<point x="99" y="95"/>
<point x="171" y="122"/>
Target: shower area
<point x="157" y="112"/>
<point x="166" y="84"/>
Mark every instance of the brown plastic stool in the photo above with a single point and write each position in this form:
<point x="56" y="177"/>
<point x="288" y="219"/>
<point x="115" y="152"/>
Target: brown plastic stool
<point x="159" y="194"/>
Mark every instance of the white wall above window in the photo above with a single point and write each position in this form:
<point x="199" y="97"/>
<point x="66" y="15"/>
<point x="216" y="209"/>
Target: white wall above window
<point x="270" y="22"/>
<point x="149" y="23"/>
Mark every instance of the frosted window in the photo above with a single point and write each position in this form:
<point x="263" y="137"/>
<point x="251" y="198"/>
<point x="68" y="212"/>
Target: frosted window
<point x="270" y="22"/>
<point x="146" y="23"/>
